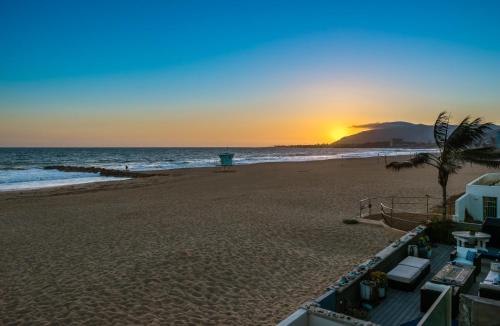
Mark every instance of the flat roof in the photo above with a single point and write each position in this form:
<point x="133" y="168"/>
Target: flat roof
<point x="490" y="179"/>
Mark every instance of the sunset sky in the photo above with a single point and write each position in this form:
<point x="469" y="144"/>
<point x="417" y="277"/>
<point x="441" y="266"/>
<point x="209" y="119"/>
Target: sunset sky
<point x="239" y="73"/>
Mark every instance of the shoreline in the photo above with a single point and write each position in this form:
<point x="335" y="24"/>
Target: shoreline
<point x="15" y="175"/>
<point x="167" y="172"/>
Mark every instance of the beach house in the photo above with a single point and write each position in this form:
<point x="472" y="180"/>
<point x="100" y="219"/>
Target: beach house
<point x="480" y="201"/>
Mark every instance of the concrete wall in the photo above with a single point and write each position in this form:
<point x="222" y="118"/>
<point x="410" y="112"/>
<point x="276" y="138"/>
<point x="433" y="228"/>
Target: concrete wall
<point x="315" y="316"/>
<point x="349" y="297"/>
<point x="327" y="300"/>
<point x="298" y="318"/>
<point x="478" y="311"/>
<point x="320" y="321"/>
<point x="472" y="200"/>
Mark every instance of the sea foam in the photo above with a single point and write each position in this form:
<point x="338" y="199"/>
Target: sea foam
<point x="18" y="179"/>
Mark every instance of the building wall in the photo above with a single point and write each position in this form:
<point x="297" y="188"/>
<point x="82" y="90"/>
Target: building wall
<point x="473" y="200"/>
<point x="460" y="205"/>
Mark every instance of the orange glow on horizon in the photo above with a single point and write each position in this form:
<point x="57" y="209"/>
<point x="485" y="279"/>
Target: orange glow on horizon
<point x="338" y="133"/>
<point x="180" y="129"/>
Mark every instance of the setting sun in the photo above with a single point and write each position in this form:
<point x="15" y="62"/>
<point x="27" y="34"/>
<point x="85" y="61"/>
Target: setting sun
<point x="338" y="133"/>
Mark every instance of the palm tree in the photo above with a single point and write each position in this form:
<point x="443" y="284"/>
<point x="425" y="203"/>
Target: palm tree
<point x="455" y="148"/>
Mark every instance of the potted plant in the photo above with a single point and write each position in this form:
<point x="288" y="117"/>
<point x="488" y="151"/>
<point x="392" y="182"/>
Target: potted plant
<point x="429" y="251"/>
<point x="367" y="289"/>
<point x="380" y="279"/>
<point x="424" y="247"/>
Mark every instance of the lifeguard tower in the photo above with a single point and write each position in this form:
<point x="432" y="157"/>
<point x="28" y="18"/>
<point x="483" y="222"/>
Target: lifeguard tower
<point x="226" y="160"/>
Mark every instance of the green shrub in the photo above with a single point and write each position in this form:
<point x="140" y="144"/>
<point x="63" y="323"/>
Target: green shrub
<point x="440" y="231"/>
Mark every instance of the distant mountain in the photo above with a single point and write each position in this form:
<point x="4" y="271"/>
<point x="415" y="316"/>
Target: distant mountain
<point x="398" y="130"/>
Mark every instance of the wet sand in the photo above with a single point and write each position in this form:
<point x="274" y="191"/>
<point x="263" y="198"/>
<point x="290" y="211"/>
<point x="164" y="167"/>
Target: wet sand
<point x="194" y="247"/>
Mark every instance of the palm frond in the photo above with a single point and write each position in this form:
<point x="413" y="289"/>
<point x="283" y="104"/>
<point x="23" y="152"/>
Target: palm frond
<point x="450" y="166"/>
<point x="416" y="161"/>
<point x="487" y="163"/>
<point x="468" y="133"/>
<point x="487" y="156"/>
<point x="441" y="129"/>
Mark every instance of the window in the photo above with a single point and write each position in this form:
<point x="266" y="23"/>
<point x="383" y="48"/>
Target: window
<point x="489" y="207"/>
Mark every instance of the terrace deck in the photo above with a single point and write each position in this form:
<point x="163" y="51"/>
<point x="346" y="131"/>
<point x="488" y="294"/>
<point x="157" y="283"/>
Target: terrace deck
<point x="400" y="307"/>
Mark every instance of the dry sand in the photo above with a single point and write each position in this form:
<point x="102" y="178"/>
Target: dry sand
<point x="193" y="247"/>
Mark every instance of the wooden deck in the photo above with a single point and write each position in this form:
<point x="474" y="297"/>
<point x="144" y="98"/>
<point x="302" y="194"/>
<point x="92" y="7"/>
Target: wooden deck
<point x="400" y="307"/>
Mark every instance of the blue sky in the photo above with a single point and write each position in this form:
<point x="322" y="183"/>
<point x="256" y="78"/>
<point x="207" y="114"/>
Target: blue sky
<point x="68" y="63"/>
<point x="57" y="39"/>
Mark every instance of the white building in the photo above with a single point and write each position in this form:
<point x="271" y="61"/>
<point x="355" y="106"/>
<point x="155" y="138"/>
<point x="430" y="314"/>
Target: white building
<point x="480" y="200"/>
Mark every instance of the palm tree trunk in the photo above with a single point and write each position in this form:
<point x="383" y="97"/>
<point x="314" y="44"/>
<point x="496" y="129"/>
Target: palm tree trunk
<point x="444" y="203"/>
<point x="443" y="182"/>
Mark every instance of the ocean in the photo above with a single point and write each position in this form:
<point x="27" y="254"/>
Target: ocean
<point x="22" y="168"/>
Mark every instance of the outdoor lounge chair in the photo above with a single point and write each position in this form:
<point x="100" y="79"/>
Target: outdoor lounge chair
<point x="462" y="255"/>
<point x="490" y="287"/>
<point x="408" y="273"/>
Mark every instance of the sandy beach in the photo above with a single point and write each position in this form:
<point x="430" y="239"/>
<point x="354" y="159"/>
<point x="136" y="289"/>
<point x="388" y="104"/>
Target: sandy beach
<point x="194" y="247"/>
